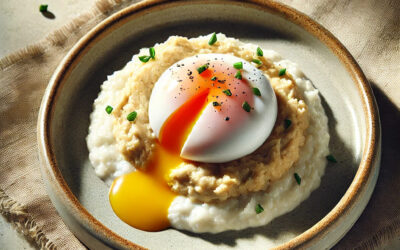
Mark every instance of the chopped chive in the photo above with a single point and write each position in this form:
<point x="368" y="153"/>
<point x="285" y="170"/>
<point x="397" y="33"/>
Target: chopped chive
<point x="238" y="75"/>
<point x="298" y="178"/>
<point x="43" y="7"/>
<point x="227" y="92"/>
<point x="256" y="61"/>
<point x="213" y="39"/>
<point x="259" y="52"/>
<point x="282" y="72"/>
<point x="246" y="106"/>
<point x="202" y="68"/>
<point x="213" y="78"/>
<point x="132" y="116"/>
<point x="287" y="123"/>
<point x="238" y="65"/>
<point x="259" y="209"/>
<point x="216" y="104"/>
<point x="144" y="59"/>
<point x="152" y="52"/>
<point x="256" y="91"/>
<point x="109" y="109"/>
<point x="331" y="158"/>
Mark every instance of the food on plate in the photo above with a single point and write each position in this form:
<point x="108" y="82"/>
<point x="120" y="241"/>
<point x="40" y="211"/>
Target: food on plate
<point x="207" y="134"/>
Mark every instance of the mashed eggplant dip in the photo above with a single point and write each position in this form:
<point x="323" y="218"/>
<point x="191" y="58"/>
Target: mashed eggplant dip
<point x="207" y="134"/>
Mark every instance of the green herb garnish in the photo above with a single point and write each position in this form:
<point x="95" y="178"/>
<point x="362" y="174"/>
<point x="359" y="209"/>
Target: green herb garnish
<point x="238" y="75"/>
<point x="213" y="39"/>
<point x="202" y="68"/>
<point x="259" y="209"/>
<point x="213" y="78"/>
<point x="144" y="59"/>
<point x="132" y="116"/>
<point x="256" y="91"/>
<point x="282" y="72"/>
<point x="216" y="104"/>
<point x="246" y="106"/>
<point x="227" y="92"/>
<point x="109" y="109"/>
<point x="259" y="52"/>
<point x="331" y="158"/>
<point x="256" y="61"/>
<point x="152" y="55"/>
<point x="152" y="52"/>
<point x="298" y="178"/>
<point x="43" y="7"/>
<point x="238" y="65"/>
<point x="287" y="123"/>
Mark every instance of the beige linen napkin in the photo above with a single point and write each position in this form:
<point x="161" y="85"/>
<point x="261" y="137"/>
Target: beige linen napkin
<point x="369" y="29"/>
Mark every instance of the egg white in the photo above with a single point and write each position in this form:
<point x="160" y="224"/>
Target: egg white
<point x="242" y="140"/>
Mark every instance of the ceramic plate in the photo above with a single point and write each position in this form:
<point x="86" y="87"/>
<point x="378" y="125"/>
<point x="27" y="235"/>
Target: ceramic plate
<point x="319" y="222"/>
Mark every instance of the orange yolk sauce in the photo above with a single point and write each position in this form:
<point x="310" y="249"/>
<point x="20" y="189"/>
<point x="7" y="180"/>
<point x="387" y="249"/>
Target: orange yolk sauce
<point x="142" y="198"/>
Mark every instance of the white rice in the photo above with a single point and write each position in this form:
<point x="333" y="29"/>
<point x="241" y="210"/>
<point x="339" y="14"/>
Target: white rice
<point x="234" y="214"/>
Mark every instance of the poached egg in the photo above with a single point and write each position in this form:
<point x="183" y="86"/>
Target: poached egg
<point x="220" y="130"/>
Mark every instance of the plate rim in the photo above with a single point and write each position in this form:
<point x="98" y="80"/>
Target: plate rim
<point x="370" y="155"/>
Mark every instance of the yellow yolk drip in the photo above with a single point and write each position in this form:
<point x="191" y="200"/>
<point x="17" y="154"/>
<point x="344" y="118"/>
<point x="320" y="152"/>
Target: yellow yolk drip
<point x="142" y="198"/>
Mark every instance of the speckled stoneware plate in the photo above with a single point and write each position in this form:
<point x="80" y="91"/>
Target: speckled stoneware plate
<point x="319" y="222"/>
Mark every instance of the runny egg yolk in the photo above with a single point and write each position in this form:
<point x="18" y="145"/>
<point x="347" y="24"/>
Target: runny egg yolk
<point x="142" y="198"/>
